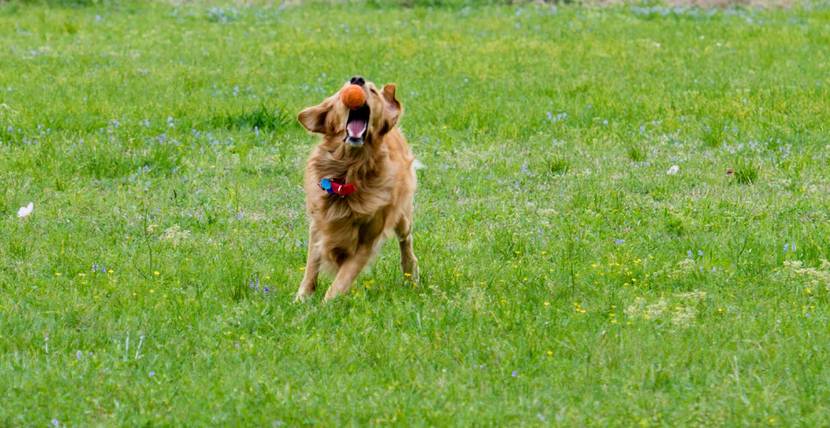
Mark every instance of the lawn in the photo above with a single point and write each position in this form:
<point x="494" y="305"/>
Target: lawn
<point x="623" y="217"/>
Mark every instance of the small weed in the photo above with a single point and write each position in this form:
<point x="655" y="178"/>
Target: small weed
<point x="746" y="172"/>
<point x="636" y="153"/>
<point x="261" y="119"/>
<point x="557" y="165"/>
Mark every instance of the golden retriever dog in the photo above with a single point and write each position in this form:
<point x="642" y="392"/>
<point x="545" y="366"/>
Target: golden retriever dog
<point x="359" y="185"/>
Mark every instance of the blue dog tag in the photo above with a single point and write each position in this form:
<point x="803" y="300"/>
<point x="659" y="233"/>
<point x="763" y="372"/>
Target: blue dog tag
<point x="325" y="184"/>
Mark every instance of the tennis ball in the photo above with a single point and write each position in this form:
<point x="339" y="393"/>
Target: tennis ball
<point x="353" y="96"/>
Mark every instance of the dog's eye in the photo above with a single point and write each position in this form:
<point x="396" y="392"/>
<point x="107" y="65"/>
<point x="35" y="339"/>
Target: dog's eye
<point x="374" y="91"/>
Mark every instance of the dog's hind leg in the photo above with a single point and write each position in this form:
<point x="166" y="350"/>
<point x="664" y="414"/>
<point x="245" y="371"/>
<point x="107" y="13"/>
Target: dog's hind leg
<point x="409" y="263"/>
<point x="312" y="266"/>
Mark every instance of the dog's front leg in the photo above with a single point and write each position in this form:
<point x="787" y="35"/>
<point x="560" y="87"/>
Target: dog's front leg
<point x="348" y="272"/>
<point x="312" y="266"/>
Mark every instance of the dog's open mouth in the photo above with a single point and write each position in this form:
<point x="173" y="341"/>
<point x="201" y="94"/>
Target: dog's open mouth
<point x="357" y="125"/>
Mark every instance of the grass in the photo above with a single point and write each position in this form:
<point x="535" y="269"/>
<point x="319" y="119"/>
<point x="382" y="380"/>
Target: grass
<point x="567" y="279"/>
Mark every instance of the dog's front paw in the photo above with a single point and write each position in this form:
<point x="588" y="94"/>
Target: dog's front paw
<point x="302" y="295"/>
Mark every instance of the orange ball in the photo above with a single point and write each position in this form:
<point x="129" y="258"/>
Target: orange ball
<point x="353" y="96"/>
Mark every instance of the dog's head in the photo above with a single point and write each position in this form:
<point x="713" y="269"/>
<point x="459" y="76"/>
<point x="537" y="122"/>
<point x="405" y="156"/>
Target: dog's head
<point x="365" y="124"/>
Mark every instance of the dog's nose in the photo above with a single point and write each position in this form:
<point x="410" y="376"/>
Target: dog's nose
<point x="357" y="80"/>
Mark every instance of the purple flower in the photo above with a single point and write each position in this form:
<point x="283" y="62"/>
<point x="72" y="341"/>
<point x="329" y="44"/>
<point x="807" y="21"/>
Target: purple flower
<point x="266" y="290"/>
<point x="515" y="373"/>
<point x="55" y="422"/>
<point x="152" y="373"/>
<point x="619" y="241"/>
<point x="79" y="355"/>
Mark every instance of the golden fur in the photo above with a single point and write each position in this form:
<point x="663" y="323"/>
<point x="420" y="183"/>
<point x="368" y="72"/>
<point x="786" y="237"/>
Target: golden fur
<point x="346" y="232"/>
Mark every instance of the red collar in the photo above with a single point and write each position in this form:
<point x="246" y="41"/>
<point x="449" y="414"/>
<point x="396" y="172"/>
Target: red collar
<point x="334" y="186"/>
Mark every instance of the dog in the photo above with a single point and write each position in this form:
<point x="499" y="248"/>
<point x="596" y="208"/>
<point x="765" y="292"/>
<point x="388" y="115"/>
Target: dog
<point x="359" y="184"/>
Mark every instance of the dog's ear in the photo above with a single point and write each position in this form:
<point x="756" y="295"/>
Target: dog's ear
<point x="314" y="118"/>
<point x="392" y="108"/>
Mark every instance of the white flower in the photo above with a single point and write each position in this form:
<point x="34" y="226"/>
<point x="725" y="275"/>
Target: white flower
<point x="25" y="211"/>
<point x="673" y="170"/>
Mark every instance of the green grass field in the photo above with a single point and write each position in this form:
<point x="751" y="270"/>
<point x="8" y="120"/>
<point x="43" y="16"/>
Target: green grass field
<point x="568" y="277"/>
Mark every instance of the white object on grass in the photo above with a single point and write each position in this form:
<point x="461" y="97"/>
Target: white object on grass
<point x="25" y="211"/>
<point x="673" y="170"/>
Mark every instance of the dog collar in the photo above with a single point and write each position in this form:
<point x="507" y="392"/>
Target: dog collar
<point x="333" y="186"/>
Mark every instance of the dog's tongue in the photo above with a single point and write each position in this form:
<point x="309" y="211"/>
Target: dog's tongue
<point x="356" y="127"/>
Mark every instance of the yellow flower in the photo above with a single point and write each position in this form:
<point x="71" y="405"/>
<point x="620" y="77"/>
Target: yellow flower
<point x="57" y="274"/>
<point x="547" y="303"/>
<point x="550" y="353"/>
<point x="156" y="273"/>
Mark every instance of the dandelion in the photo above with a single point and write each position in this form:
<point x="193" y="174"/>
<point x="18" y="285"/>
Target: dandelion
<point x="550" y="353"/>
<point x="156" y="273"/>
<point x="673" y="170"/>
<point x="24" y="212"/>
